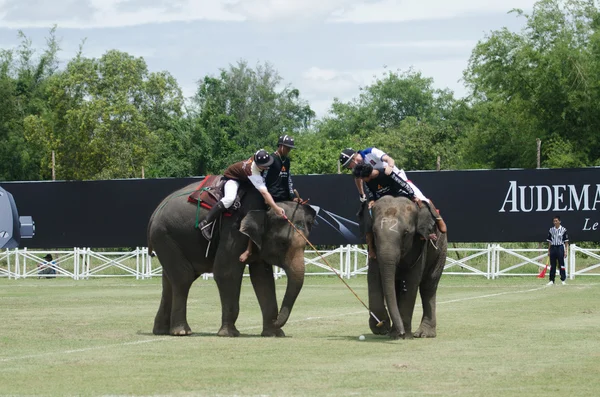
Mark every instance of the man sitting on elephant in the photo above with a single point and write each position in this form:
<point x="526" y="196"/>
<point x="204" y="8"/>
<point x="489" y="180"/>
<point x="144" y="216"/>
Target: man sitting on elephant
<point x="278" y="177"/>
<point x="378" y="184"/>
<point x="247" y="174"/>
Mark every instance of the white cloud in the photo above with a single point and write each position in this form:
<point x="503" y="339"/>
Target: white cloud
<point x="410" y="10"/>
<point x="427" y="44"/>
<point x="272" y="10"/>
<point x="321" y="85"/>
<point x="111" y="13"/>
<point x="115" y="13"/>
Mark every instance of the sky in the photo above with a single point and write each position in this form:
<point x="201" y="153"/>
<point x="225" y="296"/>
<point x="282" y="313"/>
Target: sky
<point x="326" y="48"/>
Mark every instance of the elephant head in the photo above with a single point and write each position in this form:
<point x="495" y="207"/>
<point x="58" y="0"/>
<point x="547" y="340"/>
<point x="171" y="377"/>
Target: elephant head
<point x="400" y="229"/>
<point x="281" y="245"/>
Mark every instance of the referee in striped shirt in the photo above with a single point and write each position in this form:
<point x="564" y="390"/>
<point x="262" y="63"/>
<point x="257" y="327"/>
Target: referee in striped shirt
<point x="558" y="245"/>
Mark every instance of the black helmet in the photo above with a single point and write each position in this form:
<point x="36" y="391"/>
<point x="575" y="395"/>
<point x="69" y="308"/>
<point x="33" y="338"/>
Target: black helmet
<point x="362" y="170"/>
<point x="262" y="158"/>
<point x="286" y="140"/>
<point x="346" y="156"/>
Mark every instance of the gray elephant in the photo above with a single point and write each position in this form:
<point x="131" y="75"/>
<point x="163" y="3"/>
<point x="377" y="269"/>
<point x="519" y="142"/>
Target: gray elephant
<point x="185" y="255"/>
<point x="407" y="261"/>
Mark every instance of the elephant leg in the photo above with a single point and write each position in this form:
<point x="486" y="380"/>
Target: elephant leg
<point x="162" y="321"/>
<point x="376" y="300"/>
<point x="406" y="291"/>
<point x="228" y="274"/>
<point x="427" y="329"/>
<point x="181" y="290"/>
<point x="178" y="276"/>
<point x="263" y="282"/>
<point x="428" y="291"/>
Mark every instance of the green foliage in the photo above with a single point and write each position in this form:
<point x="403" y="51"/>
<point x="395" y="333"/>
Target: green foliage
<point x="111" y="117"/>
<point x="402" y="114"/>
<point x="243" y="110"/>
<point x="545" y="77"/>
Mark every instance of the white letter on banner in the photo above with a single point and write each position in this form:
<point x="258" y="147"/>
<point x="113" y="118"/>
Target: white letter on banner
<point x="512" y="191"/>
<point x="540" y="198"/>
<point x="578" y="200"/>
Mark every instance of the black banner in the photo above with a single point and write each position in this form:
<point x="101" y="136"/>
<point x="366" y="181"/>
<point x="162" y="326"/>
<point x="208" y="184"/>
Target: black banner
<point x="478" y="206"/>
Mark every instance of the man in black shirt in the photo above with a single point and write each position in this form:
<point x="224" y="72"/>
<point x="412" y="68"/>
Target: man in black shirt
<point x="278" y="178"/>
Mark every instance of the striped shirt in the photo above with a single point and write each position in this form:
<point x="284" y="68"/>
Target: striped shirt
<point x="557" y="236"/>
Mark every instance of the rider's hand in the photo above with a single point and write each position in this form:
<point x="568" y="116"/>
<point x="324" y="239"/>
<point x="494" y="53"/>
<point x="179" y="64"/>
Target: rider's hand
<point x="279" y="211"/>
<point x="371" y="204"/>
<point x="297" y="200"/>
<point x="388" y="170"/>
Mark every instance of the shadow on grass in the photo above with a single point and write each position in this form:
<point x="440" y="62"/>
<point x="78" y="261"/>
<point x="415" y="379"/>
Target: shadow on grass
<point x="209" y="334"/>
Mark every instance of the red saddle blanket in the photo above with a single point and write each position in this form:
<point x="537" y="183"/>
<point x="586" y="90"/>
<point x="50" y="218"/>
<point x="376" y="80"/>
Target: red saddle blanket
<point x="209" y="192"/>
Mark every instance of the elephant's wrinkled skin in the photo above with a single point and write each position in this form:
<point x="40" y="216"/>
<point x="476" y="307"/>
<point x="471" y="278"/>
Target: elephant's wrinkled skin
<point x="406" y="262"/>
<point x="181" y="250"/>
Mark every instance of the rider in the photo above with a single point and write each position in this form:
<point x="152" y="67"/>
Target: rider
<point x="378" y="159"/>
<point x="278" y="177"/>
<point x="243" y="173"/>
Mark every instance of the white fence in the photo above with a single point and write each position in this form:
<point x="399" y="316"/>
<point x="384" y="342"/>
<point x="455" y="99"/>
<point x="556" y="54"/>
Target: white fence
<point x="492" y="261"/>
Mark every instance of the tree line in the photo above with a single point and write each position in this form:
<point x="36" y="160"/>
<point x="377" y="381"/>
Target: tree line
<point x="110" y="117"/>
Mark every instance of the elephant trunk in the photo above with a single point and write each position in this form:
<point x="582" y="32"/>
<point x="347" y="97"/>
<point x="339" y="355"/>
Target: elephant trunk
<point x="295" y="275"/>
<point x="388" y="259"/>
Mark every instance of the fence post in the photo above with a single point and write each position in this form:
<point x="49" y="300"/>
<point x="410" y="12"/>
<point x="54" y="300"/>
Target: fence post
<point x="572" y="264"/>
<point x="8" y="262"/>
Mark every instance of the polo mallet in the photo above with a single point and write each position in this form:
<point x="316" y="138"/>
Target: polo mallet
<point x="379" y="322"/>
<point x="543" y="272"/>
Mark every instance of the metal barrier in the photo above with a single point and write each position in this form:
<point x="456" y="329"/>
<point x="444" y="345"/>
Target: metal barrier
<point x="491" y="261"/>
<point x="584" y="269"/>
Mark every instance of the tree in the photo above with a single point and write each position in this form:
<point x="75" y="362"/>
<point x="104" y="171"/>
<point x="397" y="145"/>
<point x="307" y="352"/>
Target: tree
<point x="400" y="113"/>
<point x="107" y="116"/>
<point x="544" y="78"/>
<point x="23" y="81"/>
<point x="243" y="110"/>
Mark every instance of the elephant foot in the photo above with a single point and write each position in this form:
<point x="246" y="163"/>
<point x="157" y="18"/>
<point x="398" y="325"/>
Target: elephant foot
<point x="273" y="332"/>
<point x="425" y="332"/>
<point x="395" y="335"/>
<point x="228" y="330"/>
<point x="182" y="330"/>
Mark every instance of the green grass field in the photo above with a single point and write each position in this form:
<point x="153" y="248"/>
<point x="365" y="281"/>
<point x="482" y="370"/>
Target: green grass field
<point x="505" y="337"/>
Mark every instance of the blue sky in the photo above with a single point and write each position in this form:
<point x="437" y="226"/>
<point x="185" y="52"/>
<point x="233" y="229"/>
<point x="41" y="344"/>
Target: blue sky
<point x="325" y="48"/>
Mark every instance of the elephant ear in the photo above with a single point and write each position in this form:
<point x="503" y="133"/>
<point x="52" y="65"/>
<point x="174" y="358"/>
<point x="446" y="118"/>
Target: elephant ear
<point x="253" y="226"/>
<point x="309" y="215"/>
<point x="425" y="221"/>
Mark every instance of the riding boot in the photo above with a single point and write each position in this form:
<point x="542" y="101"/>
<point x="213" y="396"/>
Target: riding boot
<point x="205" y="225"/>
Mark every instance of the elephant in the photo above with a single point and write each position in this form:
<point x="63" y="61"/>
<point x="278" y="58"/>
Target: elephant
<point x="185" y="255"/>
<point x="406" y="260"/>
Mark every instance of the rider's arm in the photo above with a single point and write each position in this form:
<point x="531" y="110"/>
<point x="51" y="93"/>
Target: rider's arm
<point x="390" y="161"/>
<point x="359" y="186"/>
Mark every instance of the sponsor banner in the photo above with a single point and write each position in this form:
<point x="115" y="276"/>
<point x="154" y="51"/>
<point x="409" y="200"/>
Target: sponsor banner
<point x="478" y="206"/>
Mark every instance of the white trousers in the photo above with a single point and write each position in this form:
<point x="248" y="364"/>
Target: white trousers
<point x="231" y="188"/>
<point x="415" y="189"/>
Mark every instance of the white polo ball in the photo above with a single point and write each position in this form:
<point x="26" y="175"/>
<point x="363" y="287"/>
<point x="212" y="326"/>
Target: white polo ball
<point x="362" y="337"/>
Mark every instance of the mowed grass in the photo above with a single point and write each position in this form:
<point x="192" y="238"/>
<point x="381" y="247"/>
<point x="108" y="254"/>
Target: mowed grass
<point x="506" y="337"/>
